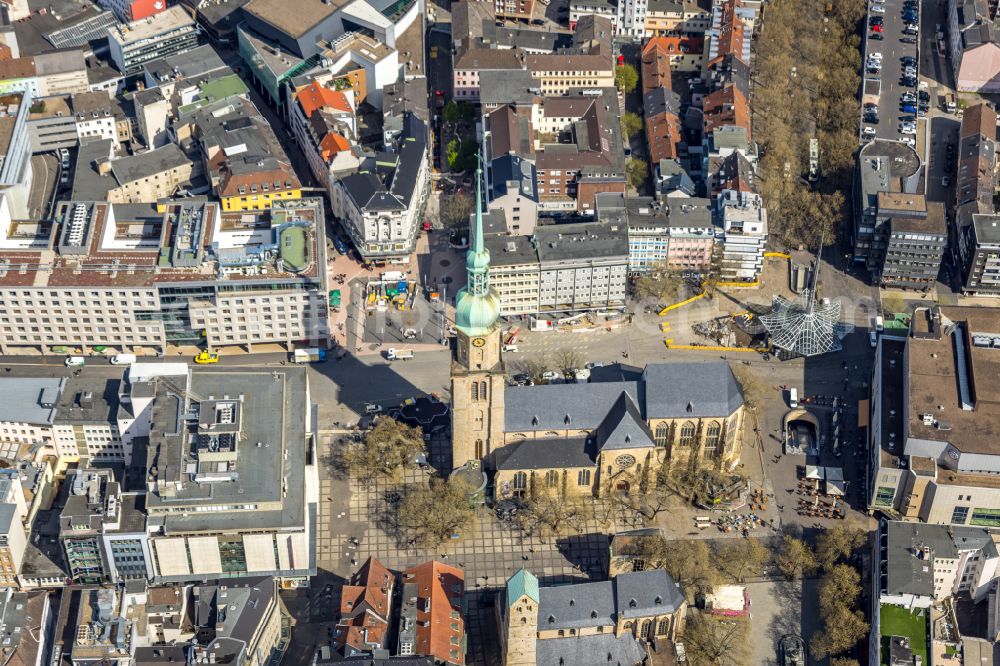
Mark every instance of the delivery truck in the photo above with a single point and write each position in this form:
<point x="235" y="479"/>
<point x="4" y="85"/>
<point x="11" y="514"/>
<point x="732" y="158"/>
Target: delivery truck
<point x="394" y="354"/>
<point x="309" y="355"/>
<point x="123" y="359"/>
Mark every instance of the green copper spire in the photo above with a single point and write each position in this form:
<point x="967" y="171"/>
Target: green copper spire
<point x="477" y="308"/>
<point x="477" y="262"/>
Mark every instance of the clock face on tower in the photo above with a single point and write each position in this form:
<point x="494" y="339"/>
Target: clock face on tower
<point x="478" y="342"/>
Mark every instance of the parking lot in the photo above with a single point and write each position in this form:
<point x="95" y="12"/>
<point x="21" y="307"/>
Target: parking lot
<point x="887" y="34"/>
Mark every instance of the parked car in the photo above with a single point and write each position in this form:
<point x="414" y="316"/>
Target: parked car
<point x="876" y="28"/>
<point x="909" y="141"/>
<point x="908" y="40"/>
<point x="924" y="96"/>
<point x="876" y="36"/>
<point x="876" y="20"/>
<point x="908" y="108"/>
<point x="908" y="129"/>
<point x="878" y="9"/>
<point x="908" y="96"/>
<point x="869" y="132"/>
<point x="908" y="61"/>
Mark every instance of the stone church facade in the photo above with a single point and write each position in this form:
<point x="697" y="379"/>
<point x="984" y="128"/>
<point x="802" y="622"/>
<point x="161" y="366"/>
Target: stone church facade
<point x="612" y="434"/>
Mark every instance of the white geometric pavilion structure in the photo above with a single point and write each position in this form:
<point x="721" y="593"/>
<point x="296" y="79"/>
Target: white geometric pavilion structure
<point x="804" y="326"/>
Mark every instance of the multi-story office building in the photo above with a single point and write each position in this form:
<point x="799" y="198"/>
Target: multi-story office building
<point x="562" y="268"/>
<point x="174" y="273"/>
<point x="134" y="44"/>
<point x="103" y="531"/>
<point x="915" y="567"/>
<point x="16" y="174"/>
<point x="917" y="233"/>
<point x="676" y="235"/>
<point x="231" y="471"/>
<point x="743" y="219"/>
<point x="883" y="167"/>
<point x="932" y="455"/>
<point x="973" y="233"/>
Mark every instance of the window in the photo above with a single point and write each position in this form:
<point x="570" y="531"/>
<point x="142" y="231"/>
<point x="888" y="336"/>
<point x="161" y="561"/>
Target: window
<point x="883" y="496"/>
<point x="662" y="434"/>
<point x="475" y="391"/>
<point x="687" y="434"/>
<point x="985" y="517"/>
<point x="551" y="478"/>
<point x="959" y="515"/>
<point x="712" y="437"/>
<point x="520" y="481"/>
<point x="583" y="478"/>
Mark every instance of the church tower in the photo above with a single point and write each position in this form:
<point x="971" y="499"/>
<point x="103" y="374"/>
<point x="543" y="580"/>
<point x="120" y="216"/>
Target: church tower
<point x="477" y="373"/>
<point x="520" y="619"/>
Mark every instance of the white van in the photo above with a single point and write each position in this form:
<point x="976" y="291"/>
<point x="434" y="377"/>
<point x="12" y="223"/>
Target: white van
<point x="123" y="359"/>
<point x="793" y="397"/>
<point x="75" y="361"/>
<point x="879" y="324"/>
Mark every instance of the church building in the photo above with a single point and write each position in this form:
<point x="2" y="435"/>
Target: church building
<point x="611" y="434"/>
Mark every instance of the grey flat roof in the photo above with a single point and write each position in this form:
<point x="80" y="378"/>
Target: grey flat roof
<point x="584" y="240"/>
<point x="274" y="412"/>
<point x="909" y="573"/>
<point x="190" y="64"/>
<point x="88" y="399"/>
<point x="506" y="86"/>
<point x="88" y="184"/>
<point x="23" y="398"/>
<point x="144" y="165"/>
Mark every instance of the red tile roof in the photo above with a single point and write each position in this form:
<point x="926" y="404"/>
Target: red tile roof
<point x="365" y="605"/>
<point x="332" y="144"/>
<point x="726" y="107"/>
<point x="314" y="97"/>
<point x="444" y="586"/>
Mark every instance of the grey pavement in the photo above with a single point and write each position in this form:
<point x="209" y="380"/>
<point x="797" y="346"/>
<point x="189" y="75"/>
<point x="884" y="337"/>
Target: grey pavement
<point x="778" y="608"/>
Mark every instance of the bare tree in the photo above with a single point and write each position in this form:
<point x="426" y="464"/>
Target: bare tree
<point x="456" y="209"/>
<point x="534" y="367"/>
<point x="739" y="558"/>
<point x="753" y="388"/>
<point x="385" y="450"/>
<point x="717" y="642"/>
<point x="796" y="558"/>
<point x="548" y="514"/>
<point x="428" y="515"/>
<point x="568" y="360"/>
<point x="688" y="562"/>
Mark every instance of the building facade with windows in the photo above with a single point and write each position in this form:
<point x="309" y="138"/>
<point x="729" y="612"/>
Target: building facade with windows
<point x="86" y="280"/>
<point x="163" y="34"/>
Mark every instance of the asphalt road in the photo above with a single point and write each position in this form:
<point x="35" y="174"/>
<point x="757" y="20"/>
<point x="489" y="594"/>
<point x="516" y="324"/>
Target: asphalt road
<point x="892" y="49"/>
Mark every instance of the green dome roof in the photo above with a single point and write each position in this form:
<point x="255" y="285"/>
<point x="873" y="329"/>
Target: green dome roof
<point x="477" y="314"/>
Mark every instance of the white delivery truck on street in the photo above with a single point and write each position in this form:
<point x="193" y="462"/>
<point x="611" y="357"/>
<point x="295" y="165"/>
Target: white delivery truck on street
<point x="394" y="354"/>
<point x="123" y="359"/>
<point x="309" y="355"/>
